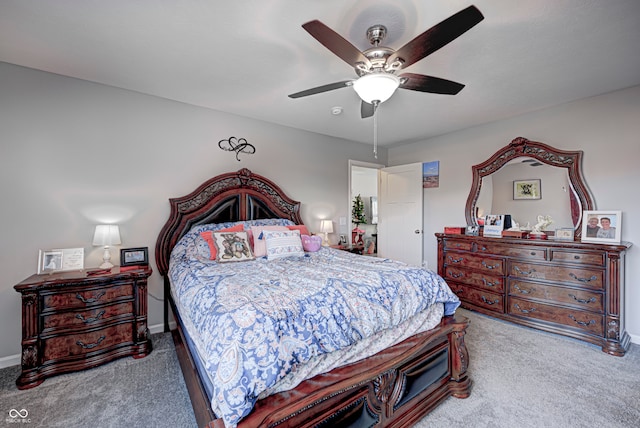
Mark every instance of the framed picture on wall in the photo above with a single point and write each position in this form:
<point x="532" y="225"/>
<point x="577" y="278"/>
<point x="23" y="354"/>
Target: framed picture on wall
<point x="601" y="226"/>
<point x="527" y="189"/>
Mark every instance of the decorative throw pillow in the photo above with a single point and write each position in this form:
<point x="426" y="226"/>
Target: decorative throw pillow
<point x="311" y="243"/>
<point x="232" y="246"/>
<point x="281" y="244"/>
<point x="301" y="227"/>
<point x="208" y="236"/>
<point x="259" y="245"/>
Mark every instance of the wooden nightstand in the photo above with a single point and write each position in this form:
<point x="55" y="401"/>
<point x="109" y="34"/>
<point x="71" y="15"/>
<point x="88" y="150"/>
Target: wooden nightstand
<point x="73" y="321"/>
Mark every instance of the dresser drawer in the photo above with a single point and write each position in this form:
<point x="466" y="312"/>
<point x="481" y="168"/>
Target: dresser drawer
<point x="457" y="245"/>
<point x="485" y="299"/>
<point x="86" y="318"/>
<point x="84" y="298"/>
<point x="68" y="346"/>
<point x="475" y="261"/>
<point x="478" y="279"/>
<point x="583" y="320"/>
<point x="582" y="299"/>
<point x="521" y="252"/>
<point x="578" y="257"/>
<point x="591" y="278"/>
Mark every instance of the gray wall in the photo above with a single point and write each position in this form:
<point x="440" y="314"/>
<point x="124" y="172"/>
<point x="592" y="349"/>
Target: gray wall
<point x="605" y="127"/>
<point x="75" y="154"/>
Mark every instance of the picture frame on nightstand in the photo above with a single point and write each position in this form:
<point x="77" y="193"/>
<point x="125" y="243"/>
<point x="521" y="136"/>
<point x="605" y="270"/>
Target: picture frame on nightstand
<point x="134" y="256"/>
<point x="59" y="260"/>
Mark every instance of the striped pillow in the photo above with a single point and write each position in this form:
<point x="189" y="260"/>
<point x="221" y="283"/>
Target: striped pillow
<point x="281" y="244"/>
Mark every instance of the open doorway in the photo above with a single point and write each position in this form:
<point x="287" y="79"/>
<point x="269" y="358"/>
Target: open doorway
<point x="363" y="181"/>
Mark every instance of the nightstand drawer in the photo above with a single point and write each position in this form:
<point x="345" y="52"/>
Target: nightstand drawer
<point x="84" y="298"/>
<point x="87" y="318"/>
<point x="68" y="346"/>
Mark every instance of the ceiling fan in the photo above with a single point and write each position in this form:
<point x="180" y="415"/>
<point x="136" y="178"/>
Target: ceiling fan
<point x="376" y="67"/>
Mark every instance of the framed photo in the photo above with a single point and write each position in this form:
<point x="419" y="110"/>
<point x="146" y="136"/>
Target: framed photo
<point x="493" y="225"/>
<point x="527" y="189"/>
<point x="59" y="260"/>
<point x="134" y="256"/>
<point x="601" y="226"/>
<point x="473" y="230"/>
<point x="564" y="234"/>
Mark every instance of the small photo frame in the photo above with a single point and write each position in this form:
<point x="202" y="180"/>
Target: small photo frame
<point x="602" y="226"/>
<point x="493" y="225"/>
<point x="473" y="230"/>
<point x="564" y="234"/>
<point x="134" y="256"/>
<point x="527" y="189"/>
<point x="59" y="260"/>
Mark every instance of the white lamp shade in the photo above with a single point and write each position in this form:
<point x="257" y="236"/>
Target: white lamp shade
<point x="376" y="87"/>
<point x="326" y="226"/>
<point x="106" y="234"/>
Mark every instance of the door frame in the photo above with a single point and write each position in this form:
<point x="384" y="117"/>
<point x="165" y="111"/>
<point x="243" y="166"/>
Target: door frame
<point x="363" y="164"/>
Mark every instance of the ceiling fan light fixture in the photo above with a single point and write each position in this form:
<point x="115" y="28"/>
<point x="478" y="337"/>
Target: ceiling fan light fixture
<point x="376" y="87"/>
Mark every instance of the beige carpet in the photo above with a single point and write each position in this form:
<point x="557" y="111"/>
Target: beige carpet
<point x="521" y="378"/>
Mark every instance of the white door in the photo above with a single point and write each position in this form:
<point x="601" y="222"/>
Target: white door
<point x="400" y="213"/>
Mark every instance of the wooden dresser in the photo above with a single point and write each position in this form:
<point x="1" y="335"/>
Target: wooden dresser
<point x="71" y="321"/>
<point x="571" y="288"/>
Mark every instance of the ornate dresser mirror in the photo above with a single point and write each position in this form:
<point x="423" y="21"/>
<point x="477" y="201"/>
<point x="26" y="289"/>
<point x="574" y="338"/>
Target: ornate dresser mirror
<point x="564" y="195"/>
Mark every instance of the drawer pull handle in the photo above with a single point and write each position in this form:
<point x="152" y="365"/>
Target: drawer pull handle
<point x="490" y="266"/>
<point x="452" y="260"/>
<point x="456" y="274"/>
<point x="90" y="345"/>
<point x="489" y="302"/>
<point x="576" y="257"/>
<point x="533" y="253"/>
<point x="90" y="300"/>
<point x="524" y="291"/>
<point x="460" y="290"/>
<point x="582" y="323"/>
<point x="593" y="278"/>
<point x="483" y="248"/>
<point x="90" y="319"/>
<point x="489" y="283"/>
<point x="524" y="311"/>
<point x="591" y="300"/>
<point x="523" y="272"/>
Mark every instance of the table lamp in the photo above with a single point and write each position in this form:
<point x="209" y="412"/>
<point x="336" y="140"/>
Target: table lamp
<point x="106" y="235"/>
<point x="326" y="227"/>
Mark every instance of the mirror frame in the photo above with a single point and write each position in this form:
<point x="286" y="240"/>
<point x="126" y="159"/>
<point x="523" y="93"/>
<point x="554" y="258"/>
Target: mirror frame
<point x="521" y="147"/>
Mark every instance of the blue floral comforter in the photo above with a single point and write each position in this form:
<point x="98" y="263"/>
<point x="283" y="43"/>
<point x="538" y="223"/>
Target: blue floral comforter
<point x="253" y="322"/>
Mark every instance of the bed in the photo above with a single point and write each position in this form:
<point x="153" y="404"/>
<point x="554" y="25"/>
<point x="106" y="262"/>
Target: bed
<point x="319" y="373"/>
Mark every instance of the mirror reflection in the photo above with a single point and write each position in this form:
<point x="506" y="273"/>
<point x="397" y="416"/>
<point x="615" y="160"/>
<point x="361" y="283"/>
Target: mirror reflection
<point x="497" y="194"/>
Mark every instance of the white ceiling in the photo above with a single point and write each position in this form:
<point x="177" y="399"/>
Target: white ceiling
<point x="245" y="57"/>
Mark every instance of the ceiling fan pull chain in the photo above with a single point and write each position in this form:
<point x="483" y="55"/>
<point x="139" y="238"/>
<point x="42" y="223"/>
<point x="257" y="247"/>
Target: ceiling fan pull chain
<point x="375" y="129"/>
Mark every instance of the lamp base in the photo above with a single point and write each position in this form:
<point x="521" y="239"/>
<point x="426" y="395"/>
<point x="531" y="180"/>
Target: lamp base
<point x="106" y="265"/>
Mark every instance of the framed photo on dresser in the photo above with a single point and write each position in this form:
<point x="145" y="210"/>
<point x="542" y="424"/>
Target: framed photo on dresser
<point x="602" y="226"/>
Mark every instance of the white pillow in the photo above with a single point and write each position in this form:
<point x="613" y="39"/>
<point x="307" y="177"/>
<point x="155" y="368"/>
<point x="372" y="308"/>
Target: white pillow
<point x="281" y="244"/>
<point x="259" y="247"/>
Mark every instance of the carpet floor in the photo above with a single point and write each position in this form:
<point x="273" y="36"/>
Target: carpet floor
<point x="521" y="378"/>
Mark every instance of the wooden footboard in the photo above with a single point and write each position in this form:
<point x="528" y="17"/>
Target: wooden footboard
<point x="393" y="388"/>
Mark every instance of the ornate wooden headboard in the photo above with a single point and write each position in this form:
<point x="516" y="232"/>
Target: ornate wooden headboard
<point x="233" y="196"/>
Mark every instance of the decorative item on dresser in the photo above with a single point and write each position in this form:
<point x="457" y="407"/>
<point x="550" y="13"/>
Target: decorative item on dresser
<point x="73" y="321"/>
<point x="571" y="288"/>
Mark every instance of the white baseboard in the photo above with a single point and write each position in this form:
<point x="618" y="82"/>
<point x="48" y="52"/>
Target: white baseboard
<point x="14" y="360"/>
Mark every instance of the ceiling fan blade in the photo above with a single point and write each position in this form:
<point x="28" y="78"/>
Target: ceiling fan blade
<point x="336" y="43"/>
<point x="367" y="110"/>
<point x="434" y="85"/>
<point x="437" y="36"/>
<point x="323" y="88"/>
